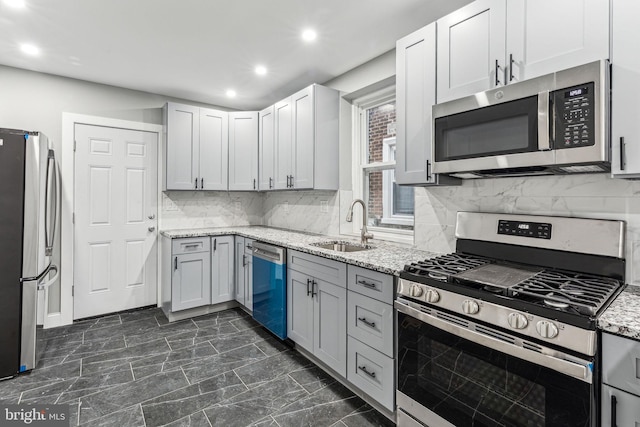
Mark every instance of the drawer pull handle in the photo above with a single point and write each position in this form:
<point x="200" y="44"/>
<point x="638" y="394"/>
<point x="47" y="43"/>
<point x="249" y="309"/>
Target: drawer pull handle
<point x="614" y="402"/>
<point x="367" y="284"/>
<point x="364" y="369"/>
<point x="193" y="245"/>
<point x="313" y="291"/>
<point x="175" y="263"/>
<point x="366" y="322"/>
<point x="308" y="283"/>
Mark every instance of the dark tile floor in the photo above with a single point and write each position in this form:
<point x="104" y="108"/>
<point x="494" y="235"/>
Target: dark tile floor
<point x="223" y="369"/>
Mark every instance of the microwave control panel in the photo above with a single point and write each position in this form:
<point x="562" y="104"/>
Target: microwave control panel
<point x="574" y="115"/>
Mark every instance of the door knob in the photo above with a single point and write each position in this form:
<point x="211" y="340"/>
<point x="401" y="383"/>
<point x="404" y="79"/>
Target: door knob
<point x="152" y="229"/>
<point x="152" y="216"/>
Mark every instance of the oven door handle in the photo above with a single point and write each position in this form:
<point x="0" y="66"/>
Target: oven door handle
<point x="567" y="367"/>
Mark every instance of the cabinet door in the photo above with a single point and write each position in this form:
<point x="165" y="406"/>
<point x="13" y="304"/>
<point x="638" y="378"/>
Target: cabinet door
<point x="627" y="407"/>
<point x="544" y="36"/>
<point x="222" y="271"/>
<point x="415" y="95"/>
<point x="299" y="310"/>
<point x="330" y="325"/>
<point x="240" y="294"/>
<point x="190" y="281"/>
<point x="266" y="141"/>
<point x="182" y="122"/>
<point x="214" y="149"/>
<point x="243" y="151"/>
<point x="283" y="144"/>
<point x="303" y="117"/>
<point x="470" y="41"/>
<point x="625" y="90"/>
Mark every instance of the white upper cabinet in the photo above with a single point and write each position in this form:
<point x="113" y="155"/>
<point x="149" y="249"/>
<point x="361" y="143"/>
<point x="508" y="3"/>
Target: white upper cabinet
<point x="471" y="43"/>
<point x="214" y="149"/>
<point x="266" y="143"/>
<point x="415" y="95"/>
<point x="625" y="90"/>
<point x="196" y="148"/>
<point x="305" y="141"/>
<point x="544" y="36"/>
<point x="490" y="43"/>
<point x="243" y="151"/>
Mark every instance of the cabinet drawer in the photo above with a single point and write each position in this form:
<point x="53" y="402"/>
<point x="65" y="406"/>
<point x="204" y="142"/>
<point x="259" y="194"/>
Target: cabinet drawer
<point x="370" y="283"/>
<point x="627" y="407"/>
<point x="621" y="363"/>
<point x="371" y="371"/>
<point x="322" y="268"/>
<point x="371" y="322"/>
<point x="190" y="245"/>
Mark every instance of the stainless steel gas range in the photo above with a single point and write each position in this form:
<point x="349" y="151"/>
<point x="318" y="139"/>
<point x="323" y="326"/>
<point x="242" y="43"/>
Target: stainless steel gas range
<point x="503" y="331"/>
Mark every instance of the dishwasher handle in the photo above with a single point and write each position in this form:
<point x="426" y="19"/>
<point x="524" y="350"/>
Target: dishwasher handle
<point x="269" y="252"/>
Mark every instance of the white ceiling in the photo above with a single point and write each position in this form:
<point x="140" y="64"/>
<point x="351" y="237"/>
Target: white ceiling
<point x="197" y="49"/>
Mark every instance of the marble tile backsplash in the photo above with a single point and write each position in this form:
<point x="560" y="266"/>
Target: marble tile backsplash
<point x="198" y="209"/>
<point x="312" y="211"/>
<point x="588" y="196"/>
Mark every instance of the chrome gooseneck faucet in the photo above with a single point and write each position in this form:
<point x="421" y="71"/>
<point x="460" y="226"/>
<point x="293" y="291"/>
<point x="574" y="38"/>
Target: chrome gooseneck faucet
<point x="364" y="234"/>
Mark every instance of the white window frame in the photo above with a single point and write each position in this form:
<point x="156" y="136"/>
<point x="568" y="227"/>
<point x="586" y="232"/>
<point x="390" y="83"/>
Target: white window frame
<point x="360" y="164"/>
<point x="388" y="217"/>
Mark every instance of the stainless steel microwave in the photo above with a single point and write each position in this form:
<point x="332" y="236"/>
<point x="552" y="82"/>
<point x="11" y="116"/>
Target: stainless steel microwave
<point x="553" y="124"/>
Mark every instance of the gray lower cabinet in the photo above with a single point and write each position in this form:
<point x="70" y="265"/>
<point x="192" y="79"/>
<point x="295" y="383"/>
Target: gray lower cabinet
<point x="370" y="328"/>
<point x="186" y="274"/>
<point x="222" y="269"/>
<point x="317" y="308"/>
<point x="244" y="272"/>
<point x="621" y="377"/>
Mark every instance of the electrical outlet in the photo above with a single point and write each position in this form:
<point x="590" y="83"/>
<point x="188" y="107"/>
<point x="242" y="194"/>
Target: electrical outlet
<point x="169" y="205"/>
<point x="324" y="206"/>
<point x="285" y="207"/>
<point x="238" y="206"/>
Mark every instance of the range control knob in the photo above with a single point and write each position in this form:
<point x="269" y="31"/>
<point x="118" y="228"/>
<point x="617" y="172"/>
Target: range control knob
<point x="469" y="306"/>
<point x="517" y="321"/>
<point x="547" y="329"/>
<point x="416" y="291"/>
<point x="432" y="296"/>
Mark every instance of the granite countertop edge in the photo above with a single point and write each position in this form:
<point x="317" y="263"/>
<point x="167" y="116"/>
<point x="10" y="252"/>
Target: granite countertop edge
<point x="385" y="257"/>
<point x="622" y="317"/>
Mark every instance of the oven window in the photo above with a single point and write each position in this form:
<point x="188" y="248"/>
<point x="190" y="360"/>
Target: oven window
<point x="471" y="385"/>
<point x="505" y="128"/>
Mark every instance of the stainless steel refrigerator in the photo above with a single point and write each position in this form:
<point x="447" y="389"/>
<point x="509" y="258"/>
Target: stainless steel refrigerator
<point x="28" y="207"/>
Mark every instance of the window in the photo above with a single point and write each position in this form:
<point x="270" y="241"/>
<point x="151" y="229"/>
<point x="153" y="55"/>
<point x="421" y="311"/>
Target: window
<point x="389" y="206"/>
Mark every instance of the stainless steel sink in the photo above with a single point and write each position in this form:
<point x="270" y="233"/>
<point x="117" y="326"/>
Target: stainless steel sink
<point x="339" y="246"/>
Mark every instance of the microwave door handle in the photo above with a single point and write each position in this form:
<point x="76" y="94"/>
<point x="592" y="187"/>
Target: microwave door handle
<point x="543" y="121"/>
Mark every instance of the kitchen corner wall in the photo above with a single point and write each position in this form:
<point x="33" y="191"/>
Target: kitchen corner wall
<point x="198" y="209"/>
<point x="303" y="211"/>
<point x="587" y="196"/>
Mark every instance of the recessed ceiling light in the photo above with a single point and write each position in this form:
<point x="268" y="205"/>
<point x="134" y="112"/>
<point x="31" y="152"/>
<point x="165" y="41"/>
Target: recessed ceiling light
<point x="16" y="4"/>
<point x="309" y="35"/>
<point x="231" y="93"/>
<point x="261" y="70"/>
<point x="30" y="49"/>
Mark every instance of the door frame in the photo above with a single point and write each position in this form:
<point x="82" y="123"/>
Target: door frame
<point x="67" y="235"/>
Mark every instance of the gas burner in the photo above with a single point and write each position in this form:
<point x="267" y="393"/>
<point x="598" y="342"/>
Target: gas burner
<point x="437" y="276"/>
<point x="571" y="289"/>
<point x="494" y="289"/>
<point x="442" y="267"/>
<point x="556" y="301"/>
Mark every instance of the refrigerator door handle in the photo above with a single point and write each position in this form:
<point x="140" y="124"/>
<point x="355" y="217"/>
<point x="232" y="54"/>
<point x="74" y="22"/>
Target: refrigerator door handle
<point x="52" y="182"/>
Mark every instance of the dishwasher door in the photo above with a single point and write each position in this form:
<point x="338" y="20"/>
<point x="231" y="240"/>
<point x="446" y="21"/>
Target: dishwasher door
<point x="270" y="287"/>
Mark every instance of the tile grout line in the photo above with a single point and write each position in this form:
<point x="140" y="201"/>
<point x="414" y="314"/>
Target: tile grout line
<point x="132" y="373"/>
<point x="20" y="398"/>
<point x="243" y="383"/>
<point x="206" y="418"/>
<point x="274" y="420"/>
<point x="170" y="348"/>
<point x="294" y="380"/>
<point x="144" y="420"/>
<point x="185" y="375"/>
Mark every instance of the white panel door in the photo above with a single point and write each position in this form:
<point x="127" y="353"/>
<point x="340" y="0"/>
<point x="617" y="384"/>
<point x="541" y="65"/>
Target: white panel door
<point x="540" y="42"/>
<point x="625" y="90"/>
<point x="243" y="151"/>
<point x="115" y="191"/>
<point x="266" y="142"/>
<point x="190" y="281"/>
<point x="222" y="269"/>
<point x="415" y="95"/>
<point x="299" y="309"/>
<point x="214" y="150"/>
<point x="470" y="41"/>
<point x="182" y="146"/>
<point x="283" y="144"/>
<point x="330" y="325"/>
<point x="303" y="109"/>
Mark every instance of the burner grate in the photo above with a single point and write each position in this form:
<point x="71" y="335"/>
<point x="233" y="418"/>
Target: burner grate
<point x="442" y="267"/>
<point x="584" y="293"/>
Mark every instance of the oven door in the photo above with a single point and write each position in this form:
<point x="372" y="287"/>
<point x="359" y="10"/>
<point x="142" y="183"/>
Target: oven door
<point x="453" y="372"/>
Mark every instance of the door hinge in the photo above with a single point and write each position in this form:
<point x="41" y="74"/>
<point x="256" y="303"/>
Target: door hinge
<point x="73" y="218"/>
<point x="74" y="145"/>
<point x="73" y="290"/>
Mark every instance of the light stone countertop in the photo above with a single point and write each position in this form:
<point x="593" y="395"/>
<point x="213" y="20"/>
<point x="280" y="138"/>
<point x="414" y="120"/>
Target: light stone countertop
<point x="622" y="317"/>
<point x="385" y="257"/>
